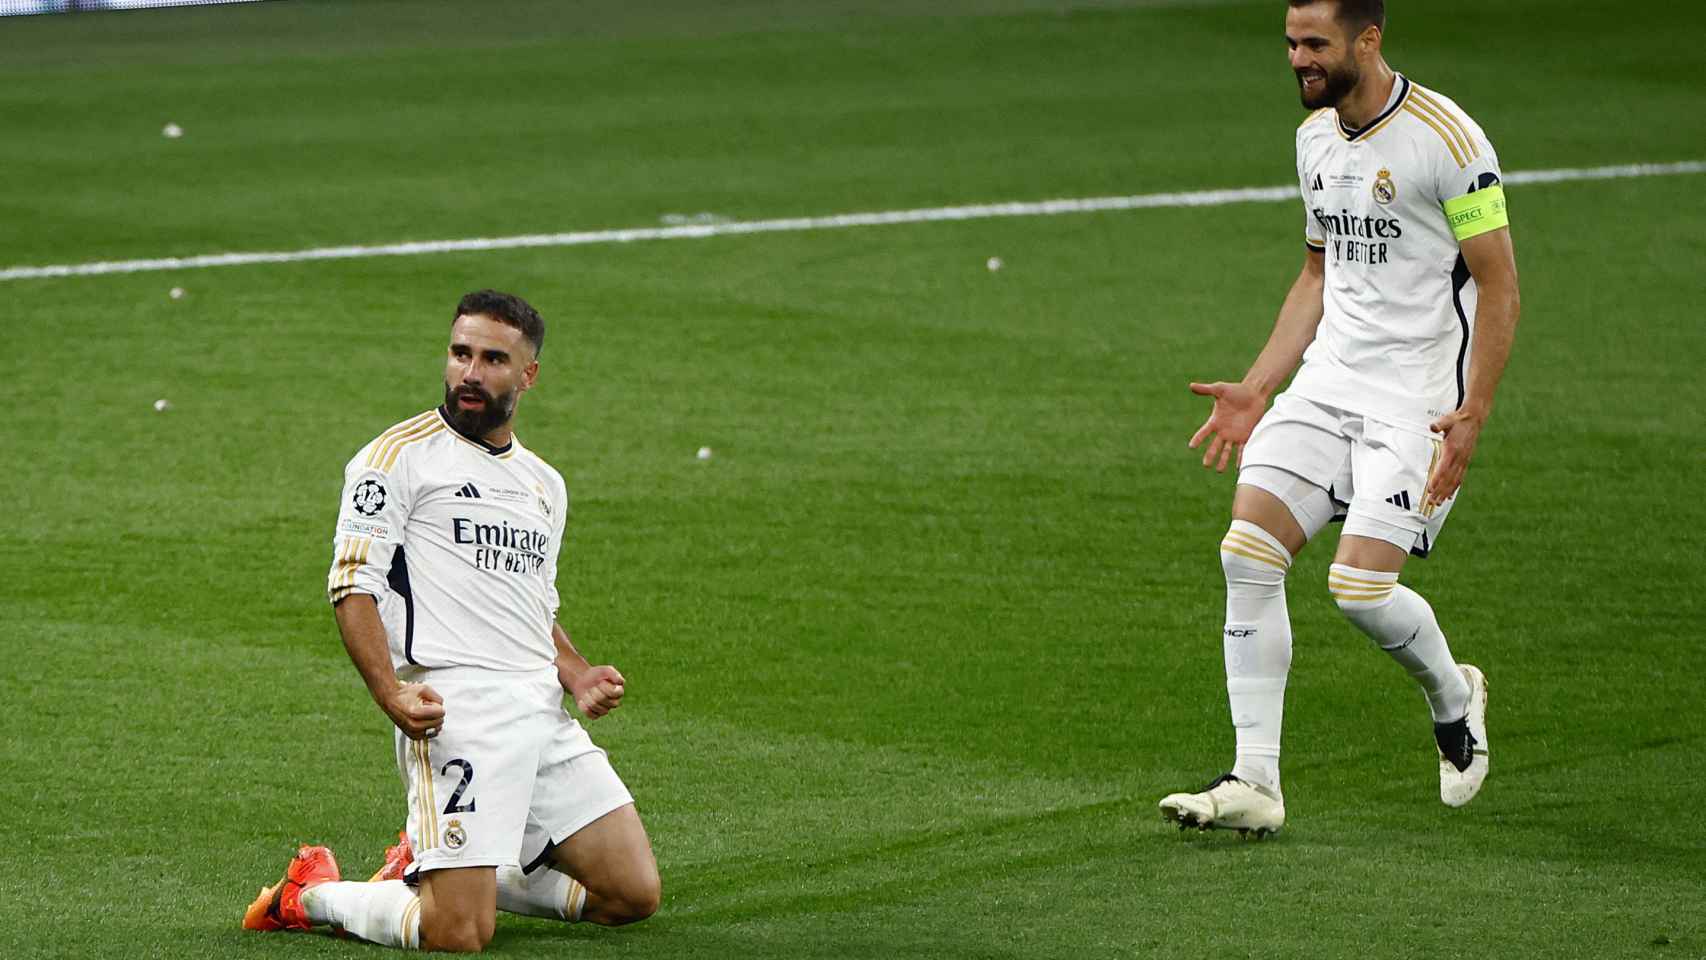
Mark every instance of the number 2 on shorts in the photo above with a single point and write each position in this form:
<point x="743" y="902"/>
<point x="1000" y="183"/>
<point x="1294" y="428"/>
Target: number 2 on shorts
<point x="455" y="804"/>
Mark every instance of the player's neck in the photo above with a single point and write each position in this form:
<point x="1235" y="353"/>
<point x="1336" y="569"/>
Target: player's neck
<point x="1369" y="98"/>
<point x="496" y="438"/>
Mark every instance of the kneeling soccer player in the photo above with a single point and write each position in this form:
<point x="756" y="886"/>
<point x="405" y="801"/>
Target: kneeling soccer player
<point x="1403" y="317"/>
<point x="444" y="586"/>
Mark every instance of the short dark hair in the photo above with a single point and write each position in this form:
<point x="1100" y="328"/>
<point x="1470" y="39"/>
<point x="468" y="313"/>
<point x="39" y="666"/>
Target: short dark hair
<point x="506" y="308"/>
<point x="1354" y="15"/>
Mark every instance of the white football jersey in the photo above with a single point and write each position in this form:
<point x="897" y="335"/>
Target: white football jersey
<point x="1399" y="304"/>
<point x="458" y="543"/>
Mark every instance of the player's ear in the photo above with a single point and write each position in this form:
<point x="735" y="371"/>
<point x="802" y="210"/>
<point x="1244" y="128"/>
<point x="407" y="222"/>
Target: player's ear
<point x="1368" y="42"/>
<point x="529" y="374"/>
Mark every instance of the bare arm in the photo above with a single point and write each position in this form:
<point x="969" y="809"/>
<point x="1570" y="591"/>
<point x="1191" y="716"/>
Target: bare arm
<point x="597" y="690"/>
<point x="1492" y="262"/>
<point x="1295" y="328"/>
<point x="415" y="708"/>
<point x="1238" y="406"/>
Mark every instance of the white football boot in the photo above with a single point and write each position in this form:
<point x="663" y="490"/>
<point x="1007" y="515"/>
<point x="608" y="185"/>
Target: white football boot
<point x="1463" y="757"/>
<point x="1228" y="804"/>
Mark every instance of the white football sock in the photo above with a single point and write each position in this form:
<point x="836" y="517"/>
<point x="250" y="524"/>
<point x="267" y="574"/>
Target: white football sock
<point x="1400" y="622"/>
<point x="1257" y="645"/>
<point x="547" y="893"/>
<point x="387" y="913"/>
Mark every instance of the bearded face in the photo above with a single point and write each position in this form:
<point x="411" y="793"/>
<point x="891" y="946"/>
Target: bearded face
<point x="473" y="412"/>
<point x="1326" y="84"/>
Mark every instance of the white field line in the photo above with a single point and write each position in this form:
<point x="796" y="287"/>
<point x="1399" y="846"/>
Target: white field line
<point x="699" y="231"/>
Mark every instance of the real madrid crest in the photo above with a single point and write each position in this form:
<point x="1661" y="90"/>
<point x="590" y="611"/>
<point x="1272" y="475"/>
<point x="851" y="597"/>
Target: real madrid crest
<point x="1385" y="191"/>
<point x="454" y="835"/>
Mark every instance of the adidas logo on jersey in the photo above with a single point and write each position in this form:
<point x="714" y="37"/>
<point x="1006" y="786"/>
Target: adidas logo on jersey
<point x="1400" y="499"/>
<point x="470" y="491"/>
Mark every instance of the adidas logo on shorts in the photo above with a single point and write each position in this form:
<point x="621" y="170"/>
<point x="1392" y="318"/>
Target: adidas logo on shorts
<point x="1400" y="499"/>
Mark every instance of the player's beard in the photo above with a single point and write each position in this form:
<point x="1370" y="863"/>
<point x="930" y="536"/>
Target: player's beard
<point x="493" y="413"/>
<point x="1337" y="84"/>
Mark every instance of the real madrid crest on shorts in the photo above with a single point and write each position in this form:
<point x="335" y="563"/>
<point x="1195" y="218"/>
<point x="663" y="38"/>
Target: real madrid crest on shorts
<point x="1385" y="191"/>
<point x="454" y="835"/>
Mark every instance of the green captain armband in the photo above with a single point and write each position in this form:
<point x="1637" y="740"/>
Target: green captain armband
<point x="1476" y="213"/>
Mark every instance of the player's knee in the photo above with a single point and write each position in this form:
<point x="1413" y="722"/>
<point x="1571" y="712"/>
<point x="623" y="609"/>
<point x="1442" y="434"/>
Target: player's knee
<point x="1251" y="556"/>
<point x="458" y="934"/>
<point x="638" y="900"/>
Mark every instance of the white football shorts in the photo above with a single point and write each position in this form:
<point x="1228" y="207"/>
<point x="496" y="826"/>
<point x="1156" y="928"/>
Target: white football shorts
<point x="510" y="775"/>
<point x="1374" y="470"/>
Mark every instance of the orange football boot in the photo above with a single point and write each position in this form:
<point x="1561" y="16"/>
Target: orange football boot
<point x="279" y="907"/>
<point x="397" y="859"/>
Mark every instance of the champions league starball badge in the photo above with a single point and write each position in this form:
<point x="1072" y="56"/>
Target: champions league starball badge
<point x="369" y="498"/>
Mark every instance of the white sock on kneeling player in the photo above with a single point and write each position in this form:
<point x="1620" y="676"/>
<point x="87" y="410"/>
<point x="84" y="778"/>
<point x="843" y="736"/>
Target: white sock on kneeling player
<point x="546" y="893"/>
<point x="387" y="913"/>
<point x="1400" y="622"/>
<point x="1257" y="645"/>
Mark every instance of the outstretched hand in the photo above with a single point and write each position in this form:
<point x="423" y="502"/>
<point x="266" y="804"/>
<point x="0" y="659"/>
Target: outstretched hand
<point x="597" y="691"/>
<point x="1237" y="408"/>
<point x="416" y="709"/>
<point x="1459" y="431"/>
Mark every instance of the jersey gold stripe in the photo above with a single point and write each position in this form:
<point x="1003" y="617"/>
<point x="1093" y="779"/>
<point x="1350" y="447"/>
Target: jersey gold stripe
<point x="1455" y="155"/>
<point x="349" y="563"/>
<point x="407" y="425"/>
<point x="407" y="429"/>
<point x="569" y="900"/>
<point x="1252" y="556"/>
<point x="1313" y="117"/>
<point x="1452" y="122"/>
<point x="1260" y="546"/>
<point x="381" y="450"/>
<point x="397" y="447"/>
<point x="1445" y="123"/>
<point x="1465" y="148"/>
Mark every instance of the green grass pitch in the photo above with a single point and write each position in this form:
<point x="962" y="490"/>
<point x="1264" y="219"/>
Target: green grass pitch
<point x="913" y="657"/>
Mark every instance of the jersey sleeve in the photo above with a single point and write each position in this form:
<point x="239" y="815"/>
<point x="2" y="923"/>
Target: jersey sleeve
<point x="1469" y="184"/>
<point x="371" y="512"/>
<point x="1311" y="232"/>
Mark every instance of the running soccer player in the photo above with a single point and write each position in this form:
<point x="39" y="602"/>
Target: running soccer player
<point x="444" y="587"/>
<point x="1402" y="317"/>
